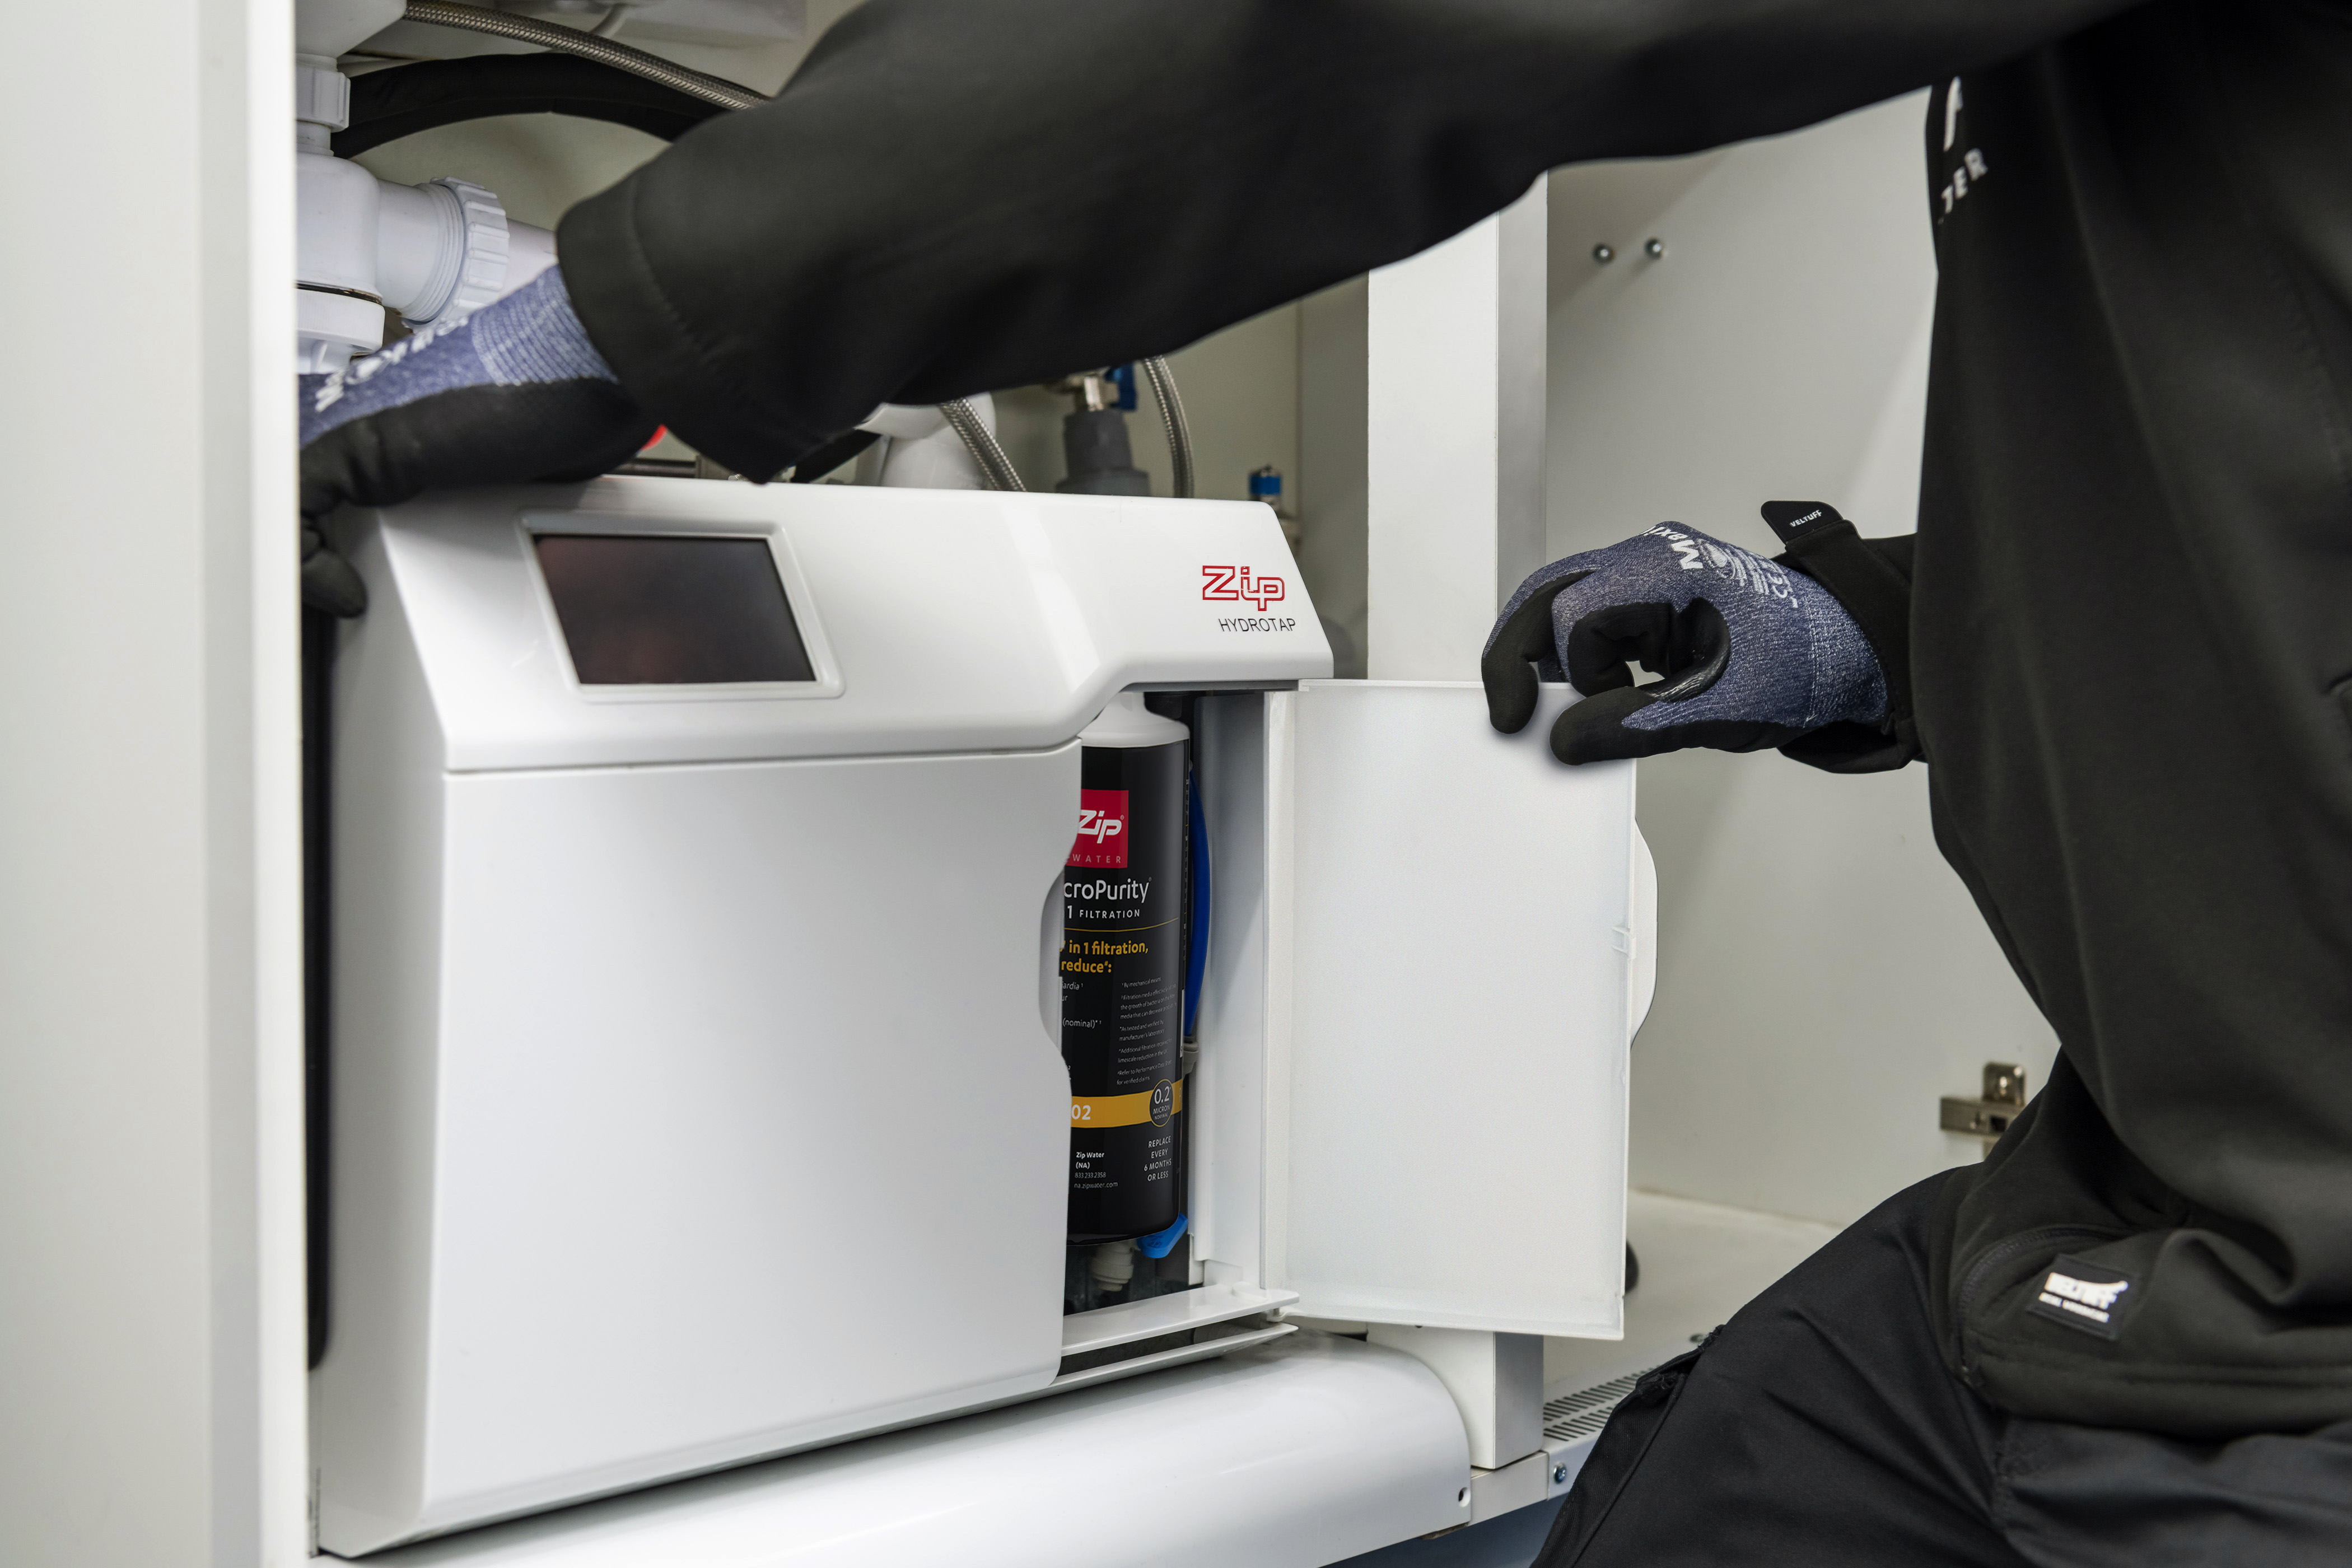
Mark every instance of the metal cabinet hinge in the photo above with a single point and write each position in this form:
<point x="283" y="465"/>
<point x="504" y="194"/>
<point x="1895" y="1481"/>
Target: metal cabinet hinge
<point x="1988" y="1117"/>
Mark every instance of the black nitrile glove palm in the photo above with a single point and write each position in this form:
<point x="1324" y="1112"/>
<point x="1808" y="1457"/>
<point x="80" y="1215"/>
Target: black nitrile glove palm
<point x="511" y="393"/>
<point x="1754" y="654"/>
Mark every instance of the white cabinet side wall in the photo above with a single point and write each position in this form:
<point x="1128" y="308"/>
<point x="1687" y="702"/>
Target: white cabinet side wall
<point x="1824" y="976"/>
<point x="151" y="1369"/>
<point x="1333" y="437"/>
<point x="1454" y="452"/>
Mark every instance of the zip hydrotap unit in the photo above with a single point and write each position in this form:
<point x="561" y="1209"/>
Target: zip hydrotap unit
<point x="756" y="1015"/>
<point x="715" y="948"/>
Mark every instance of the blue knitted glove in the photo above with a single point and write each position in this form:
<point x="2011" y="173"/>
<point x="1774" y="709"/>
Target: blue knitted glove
<point x="1754" y="654"/>
<point x="513" y="392"/>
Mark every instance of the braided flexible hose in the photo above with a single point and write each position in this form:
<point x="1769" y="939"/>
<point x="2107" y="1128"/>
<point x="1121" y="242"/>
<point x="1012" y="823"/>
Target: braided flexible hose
<point x="1172" y="419"/>
<point x="995" y="465"/>
<point x="574" y="41"/>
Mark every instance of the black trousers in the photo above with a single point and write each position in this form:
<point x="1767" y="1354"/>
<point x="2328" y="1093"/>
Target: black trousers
<point x="1820" y="1426"/>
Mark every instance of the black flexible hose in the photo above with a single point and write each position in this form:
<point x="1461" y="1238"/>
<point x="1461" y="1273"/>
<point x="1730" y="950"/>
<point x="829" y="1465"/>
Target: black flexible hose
<point x="404" y="100"/>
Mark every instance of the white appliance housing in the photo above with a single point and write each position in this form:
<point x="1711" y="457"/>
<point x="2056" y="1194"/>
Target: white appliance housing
<point x="697" y="1087"/>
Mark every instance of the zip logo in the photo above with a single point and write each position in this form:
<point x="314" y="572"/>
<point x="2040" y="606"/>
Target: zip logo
<point x="1102" y="829"/>
<point x="1234" y="584"/>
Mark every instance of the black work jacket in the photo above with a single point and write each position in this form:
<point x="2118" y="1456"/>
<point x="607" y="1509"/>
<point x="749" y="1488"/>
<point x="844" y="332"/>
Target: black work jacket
<point x="2130" y="627"/>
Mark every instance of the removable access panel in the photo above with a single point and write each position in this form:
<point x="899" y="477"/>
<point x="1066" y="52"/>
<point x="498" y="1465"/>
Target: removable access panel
<point x="1447" y="1090"/>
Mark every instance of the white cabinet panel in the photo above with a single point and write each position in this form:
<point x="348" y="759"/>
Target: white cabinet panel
<point x="1448" y="1099"/>
<point x="684" y="1115"/>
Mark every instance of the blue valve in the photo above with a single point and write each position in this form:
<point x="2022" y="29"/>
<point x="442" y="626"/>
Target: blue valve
<point x="1160" y="1244"/>
<point x="1122" y="376"/>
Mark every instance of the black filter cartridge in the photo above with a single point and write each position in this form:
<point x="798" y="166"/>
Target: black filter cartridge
<point x="1123" y="975"/>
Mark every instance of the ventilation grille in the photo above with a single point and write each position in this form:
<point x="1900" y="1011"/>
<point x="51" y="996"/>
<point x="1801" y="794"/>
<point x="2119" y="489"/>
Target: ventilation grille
<point x="1573" y="1417"/>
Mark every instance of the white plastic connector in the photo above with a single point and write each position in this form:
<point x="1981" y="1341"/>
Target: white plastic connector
<point x="440" y="250"/>
<point x="322" y="95"/>
<point x="430" y="252"/>
<point x="477" y="262"/>
<point x="531" y="251"/>
<point x="924" y="453"/>
<point x="336" y="211"/>
<point x="338" y="308"/>
<point x="1113" y="1265"/>
<point x="363" y="243"/>
<point x="905" y="421"/>
<point x="328" y="329"/>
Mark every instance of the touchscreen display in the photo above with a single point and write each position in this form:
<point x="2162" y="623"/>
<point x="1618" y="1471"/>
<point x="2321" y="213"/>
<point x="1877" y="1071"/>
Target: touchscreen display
<point x="671" y="610"/>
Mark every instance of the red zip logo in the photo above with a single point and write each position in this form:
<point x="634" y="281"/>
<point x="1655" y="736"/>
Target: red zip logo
<point x="1235" y="583"/>
<point x="1102" y="829"/>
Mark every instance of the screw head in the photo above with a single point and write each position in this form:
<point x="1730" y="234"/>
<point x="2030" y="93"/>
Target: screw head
<point x="1603" y="255"/>
<point x="1559" y="1475"/>
<point x="1654" y="249"/>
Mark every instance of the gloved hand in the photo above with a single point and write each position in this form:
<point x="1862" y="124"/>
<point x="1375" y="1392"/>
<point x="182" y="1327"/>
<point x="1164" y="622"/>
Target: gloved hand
<point x="511" y="393"/>
<point x="1754" y="654"/>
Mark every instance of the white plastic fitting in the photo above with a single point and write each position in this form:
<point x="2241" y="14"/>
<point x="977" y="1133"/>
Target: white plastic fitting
<point x="322" y="95"/>
<point x="429" y="251"/>
<point x="339" y="309"/>
<point x="924" y="453"/>
<point x="905" y="421"/>
<point x="447" y="247"/>
<point x="1112" y="1264"/>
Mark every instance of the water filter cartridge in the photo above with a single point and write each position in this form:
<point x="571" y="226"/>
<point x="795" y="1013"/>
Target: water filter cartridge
<point x="1123" y="973"/>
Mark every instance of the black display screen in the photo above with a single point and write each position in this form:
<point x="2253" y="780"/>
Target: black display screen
<point x="671" y="610"/>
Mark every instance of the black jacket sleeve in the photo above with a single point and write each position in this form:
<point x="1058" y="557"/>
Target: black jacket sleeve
<point x="1873" y="581"/>
<point x="959" y="195"/>
<point x="1871" y="578"/>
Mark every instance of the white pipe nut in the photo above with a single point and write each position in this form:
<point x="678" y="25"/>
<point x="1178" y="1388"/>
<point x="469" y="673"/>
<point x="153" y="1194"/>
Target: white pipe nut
<point x="322" y="95"/>
<point x="441" y="249"/>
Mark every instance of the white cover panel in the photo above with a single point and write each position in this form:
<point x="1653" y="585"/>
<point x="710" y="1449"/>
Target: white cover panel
<point x="1461" y="926"/>
<point x="1298" y="1454"/>
<point x="732" y="1127"/>
<point x="939" y="620"/>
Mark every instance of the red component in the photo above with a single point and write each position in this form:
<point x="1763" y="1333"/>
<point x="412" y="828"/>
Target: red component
<point x="1102" y="829"/>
